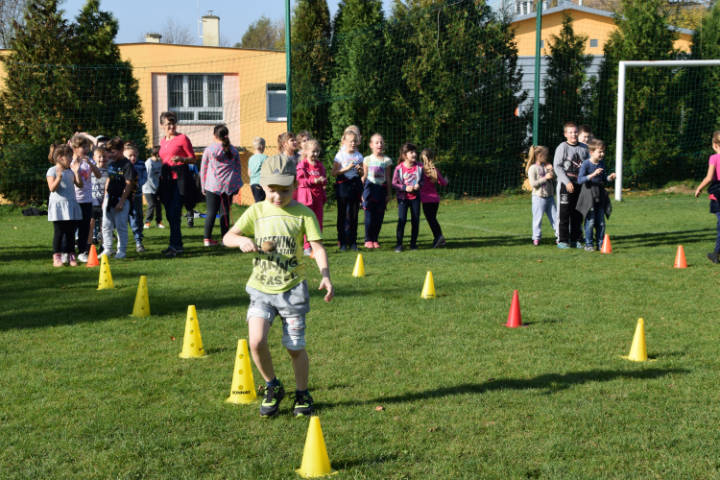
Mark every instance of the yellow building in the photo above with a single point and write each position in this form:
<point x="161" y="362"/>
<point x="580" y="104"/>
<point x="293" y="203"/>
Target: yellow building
<point x="596" y="24"/>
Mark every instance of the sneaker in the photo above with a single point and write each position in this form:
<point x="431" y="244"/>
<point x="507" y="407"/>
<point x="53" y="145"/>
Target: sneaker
<point x="589" y="248"/>
<point x="302" y="405"/>
<point x="271" y="402"/>
<point x="57" y="260"/>
<point x="376" y="245"/>
<point x="160" y="225"/>
<point x="353" y="247"/>
<point x="343" y="248"/>
<point x="170" y="252"/>
<point x="413" y="247"/>
<point x="72" y="260"/>
<point x="398" y="248"/>
<point x="64" y="257"/>
<point x="563" y="245"/>
<point x="579" y="245"/>
<point x="439" y="242"/>
<point x="369" y="245"/>
<point x="190" y="222"/>
<point x="713" y="257"/>
<point x="147" y="225"/>
<point x="120" y="255"/>
<point x="139" y="247"/>
<point x="209" y="242"/>
<point x="536" y="242"/>
<point x="307" y="252"/>
<point x="83" y="257"/>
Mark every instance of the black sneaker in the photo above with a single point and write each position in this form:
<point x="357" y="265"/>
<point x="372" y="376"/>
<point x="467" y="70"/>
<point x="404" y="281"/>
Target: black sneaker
<point x="303" y="405"/>
<point x="713" y="257"/>
<point x="398" y="248"/>
<point x="271" y="403"/>
<point x="170" y="252"/>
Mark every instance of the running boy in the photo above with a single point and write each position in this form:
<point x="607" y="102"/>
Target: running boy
<point x="274" y="229"/>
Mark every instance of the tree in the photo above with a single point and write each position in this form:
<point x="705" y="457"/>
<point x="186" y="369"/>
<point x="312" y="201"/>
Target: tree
<point x="177" y="34"/>
<point x="358" y="84"/>
<point x="36" y="100"/>
<point x="11" y="11"/>
<point x="264" y="34"/>
<point x="106" y="89"/>
<point x="652" y="110"/>
<point x="311" y="65"/>
<point x="565" y="85"/>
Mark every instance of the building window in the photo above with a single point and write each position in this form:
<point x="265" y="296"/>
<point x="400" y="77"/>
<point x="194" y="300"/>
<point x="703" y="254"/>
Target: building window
<point x="196" y="98"/>
<point x="593" y="42"/>
<point x="276" y="102"/>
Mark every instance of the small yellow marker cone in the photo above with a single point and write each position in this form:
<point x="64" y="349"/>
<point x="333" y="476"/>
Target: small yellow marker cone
<point x="638" y="350"/>
<point x="192" y="341"/>
<point x="428" y="290"/>
<point x="359" y="270"/>
<point x="105" y="281"/>
<point x="141" y="309"/>
<point x="242" y="389"/>
<point x="315" y="461"/>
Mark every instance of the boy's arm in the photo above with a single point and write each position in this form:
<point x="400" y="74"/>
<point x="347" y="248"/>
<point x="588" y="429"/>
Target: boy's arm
<point x="558" y="166"/>
<point x="234" y="238"/>
<point x="322" y="263"/>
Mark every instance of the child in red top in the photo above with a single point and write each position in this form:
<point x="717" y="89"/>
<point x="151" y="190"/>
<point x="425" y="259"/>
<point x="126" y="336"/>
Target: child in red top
<point x="311" y="181"/>
<point x="712" y="178"/>
<point x="407" y="180"/>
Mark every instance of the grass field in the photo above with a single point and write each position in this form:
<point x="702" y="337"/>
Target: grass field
<point x="89" y="392"/>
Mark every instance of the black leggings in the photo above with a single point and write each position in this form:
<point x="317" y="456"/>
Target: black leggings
<point x="430" y="210"/>
<point x="215" y="203"/>
<point x="414" y="206"/>
<point x="64" y="236"/>
<point x="83" y="227"/>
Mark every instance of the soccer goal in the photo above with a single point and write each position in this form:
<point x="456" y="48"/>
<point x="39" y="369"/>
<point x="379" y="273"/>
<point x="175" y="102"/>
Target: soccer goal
<point x="620" y="126"/>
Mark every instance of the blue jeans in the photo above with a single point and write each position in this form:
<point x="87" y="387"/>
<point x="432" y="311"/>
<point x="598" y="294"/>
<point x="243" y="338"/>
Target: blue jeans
<point x="136" y="218"/>
<point x="173" y="210"/>
<point x="595" y="219"/>
<point x="414" y="206"/>
<point x="374" y="202"/>
<point x="543" y="206"/>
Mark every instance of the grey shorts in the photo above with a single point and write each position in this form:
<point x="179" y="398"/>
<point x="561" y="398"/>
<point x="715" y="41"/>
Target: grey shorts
<point x="291" y="306"/>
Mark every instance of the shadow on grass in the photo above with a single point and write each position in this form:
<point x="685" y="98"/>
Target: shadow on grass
<point x="677" y="237"/>
<point x="551" y="383"/>
<point x="344" y="464"/>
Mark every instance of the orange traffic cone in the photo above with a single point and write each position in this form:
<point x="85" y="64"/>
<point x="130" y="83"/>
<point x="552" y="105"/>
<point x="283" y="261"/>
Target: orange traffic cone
<point x="606" y="245"/>
<point x="92" y="257"/>
<point x="680" y="258"/>
<point x="514" y="316"/>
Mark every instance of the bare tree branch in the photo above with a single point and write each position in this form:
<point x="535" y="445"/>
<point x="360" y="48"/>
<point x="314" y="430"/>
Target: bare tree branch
<point x="177" y="34"/>
<point x="10" y="11"/>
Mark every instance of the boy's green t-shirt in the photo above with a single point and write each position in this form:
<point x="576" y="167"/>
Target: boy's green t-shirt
<point x="279" y="270"/>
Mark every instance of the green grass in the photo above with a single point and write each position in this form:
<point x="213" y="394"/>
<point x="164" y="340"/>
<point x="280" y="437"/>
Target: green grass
<point x="89" y="392"/>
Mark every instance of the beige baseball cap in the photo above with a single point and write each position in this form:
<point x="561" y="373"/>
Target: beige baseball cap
<point x="278" y="170"/>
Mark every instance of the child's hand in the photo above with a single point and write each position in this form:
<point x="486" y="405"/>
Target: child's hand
<point x="327" y="285"/>
<point x="611" y="177"/>
<point x="409" y="188"/>
<point x="75" y="166"/>
<point x="59" y="169"/>
<point x="597" y="172"/>
<point x="247" y="245"/>
<point x="549" y="176"/>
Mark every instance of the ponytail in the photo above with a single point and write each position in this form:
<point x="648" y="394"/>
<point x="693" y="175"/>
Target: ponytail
<point x="530" y="159"/>
<point x="221" y="133"/>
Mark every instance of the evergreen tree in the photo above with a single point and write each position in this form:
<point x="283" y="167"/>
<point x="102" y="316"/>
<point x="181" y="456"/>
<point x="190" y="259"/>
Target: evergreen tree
<point x="652" y="110"/>
<point x="109" y="102"/>
<point x="358" y="84"/>
<point x="702" y="102"/>
<point x="37" y="100"/>
<point x="311" y="64"/>
<point x="464" y="86"/>
<point x="565" y="86"/>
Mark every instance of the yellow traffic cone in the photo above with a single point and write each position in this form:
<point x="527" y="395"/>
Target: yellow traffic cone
<point x="428" y="290"/>
<point x="359" y="270"/>
<point x="242" y="389"/>
<point x="315" y="461"/>
<point x="105" y="281"/>
<point x="192" y="341"/>
<point x="141" y="308"/>
<point x="638" y="350"/>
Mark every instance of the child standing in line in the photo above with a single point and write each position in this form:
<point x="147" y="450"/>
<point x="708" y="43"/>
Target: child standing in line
<point x="712" y="178"/>
<point x="116" y="205"/>
<point x="63" y="209"/>
<point x="311" y="180"/>
<point x="569" y="155"/>
<point x="429" y="196"/>
<point x="594" y="202"/>
<point x="153" y="167"/>
<point x="377" y="190"/>
<point x="541" y="177"/>
<point x="407" y="180"/>
<point x="86" y="169"/>
<point x="135" y="216"/>
<point x="98" y="194"/>
<point x="254" y="164"/>
<point x="347" y="169"/>
<point x="584" y="134"/>
<point x="274" y="230"/>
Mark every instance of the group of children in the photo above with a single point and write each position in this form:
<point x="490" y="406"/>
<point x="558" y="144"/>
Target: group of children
<point x="92" y="197"/>
<point x="360" y="182"/>
<point x="583" y="201"/>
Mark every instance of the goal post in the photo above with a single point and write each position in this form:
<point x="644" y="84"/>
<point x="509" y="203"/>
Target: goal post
<point x="620" y="125"/>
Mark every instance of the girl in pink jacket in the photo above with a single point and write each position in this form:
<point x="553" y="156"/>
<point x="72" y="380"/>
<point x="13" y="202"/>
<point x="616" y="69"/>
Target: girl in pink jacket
<point x="311" y="182"/>
<point x="429" y="196"/>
